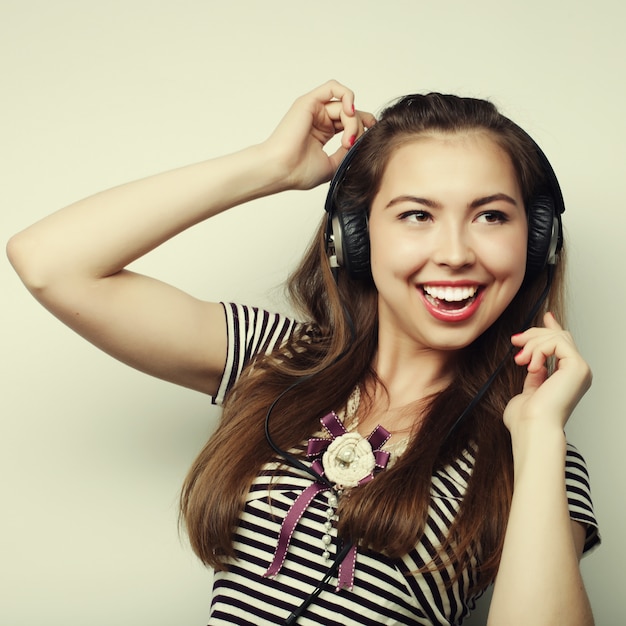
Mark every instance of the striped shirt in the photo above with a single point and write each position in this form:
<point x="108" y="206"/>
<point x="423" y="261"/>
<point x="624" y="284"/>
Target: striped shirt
<point x="385" y="591"/>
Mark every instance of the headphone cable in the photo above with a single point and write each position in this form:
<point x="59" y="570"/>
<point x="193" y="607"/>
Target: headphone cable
<point x="290" y="458"/>
<point x="295" y="462"/>
<point x="481" y="392"/>
<point x="331" y="573"/>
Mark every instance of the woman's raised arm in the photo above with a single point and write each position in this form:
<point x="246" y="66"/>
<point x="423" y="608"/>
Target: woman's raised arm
<point x="74" y="260"/>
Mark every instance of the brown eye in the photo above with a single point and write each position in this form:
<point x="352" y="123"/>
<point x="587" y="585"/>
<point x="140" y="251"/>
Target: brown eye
<point x="415" y="216"/>
<point x="492" y="217"/>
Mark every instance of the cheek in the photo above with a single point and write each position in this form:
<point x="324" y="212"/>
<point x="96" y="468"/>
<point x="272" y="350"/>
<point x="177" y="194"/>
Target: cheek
<point x="382" y="266"/>
<point x="394" y="252"/>
<point x="381" y="258"/>
<point x="399" y="260"/>
<point x="508" y="259"/>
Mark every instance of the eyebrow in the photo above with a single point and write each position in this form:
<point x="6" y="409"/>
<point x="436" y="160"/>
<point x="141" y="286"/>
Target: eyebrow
<point x="433" y="204"/>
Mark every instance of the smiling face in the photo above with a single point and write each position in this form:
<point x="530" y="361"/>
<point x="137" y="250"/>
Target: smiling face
<point x="448" y="236"/>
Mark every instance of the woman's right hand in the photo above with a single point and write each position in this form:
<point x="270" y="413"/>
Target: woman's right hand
<point x="312" y="121"/>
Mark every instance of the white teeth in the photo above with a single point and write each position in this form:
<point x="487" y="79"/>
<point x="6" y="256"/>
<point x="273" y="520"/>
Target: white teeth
<point x="450" y="294"/>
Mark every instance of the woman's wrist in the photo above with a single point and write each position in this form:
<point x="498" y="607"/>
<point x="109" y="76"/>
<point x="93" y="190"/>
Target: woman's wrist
<point x="537" y="445"/>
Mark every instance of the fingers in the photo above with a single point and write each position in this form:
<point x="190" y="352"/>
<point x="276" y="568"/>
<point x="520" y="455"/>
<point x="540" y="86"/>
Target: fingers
<point x="338" y="101"/>
<point x="549" y="321"/>
<point x="534" y="380"/>
<point x="367" y="119"/>
<point x="333" y="90"/>
<point x="349" y="125"/>
<point x="538" y="344"/>
<point x="299" y="142"/>
<point x="555" y="395"/>
<point x="354" y="126"/>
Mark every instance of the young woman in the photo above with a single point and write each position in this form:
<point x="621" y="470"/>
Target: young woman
<point x="399" y="447"/>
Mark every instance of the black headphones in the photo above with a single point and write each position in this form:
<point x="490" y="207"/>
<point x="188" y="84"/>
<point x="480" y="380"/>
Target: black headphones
<point x="347" y="236"/>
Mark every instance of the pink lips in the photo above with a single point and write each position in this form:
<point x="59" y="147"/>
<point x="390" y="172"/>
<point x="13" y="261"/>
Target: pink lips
<point x="452" y="315"/>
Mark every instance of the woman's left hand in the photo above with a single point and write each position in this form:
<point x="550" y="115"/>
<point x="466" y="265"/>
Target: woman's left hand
<point x="549" y="399"/>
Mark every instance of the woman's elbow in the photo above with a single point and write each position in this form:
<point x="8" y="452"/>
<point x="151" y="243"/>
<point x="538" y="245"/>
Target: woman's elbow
<point x="23" y="254"/>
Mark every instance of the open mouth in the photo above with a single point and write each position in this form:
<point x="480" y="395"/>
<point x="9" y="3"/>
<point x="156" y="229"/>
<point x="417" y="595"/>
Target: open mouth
<point x="450" y="298"/>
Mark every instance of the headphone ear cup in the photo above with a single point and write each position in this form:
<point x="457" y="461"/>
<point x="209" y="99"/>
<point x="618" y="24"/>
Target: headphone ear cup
<point x="352" y="242"/>
<point x="543" y="234"/>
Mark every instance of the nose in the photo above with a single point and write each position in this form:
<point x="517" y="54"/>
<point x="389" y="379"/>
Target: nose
<point x="453" y="247"/>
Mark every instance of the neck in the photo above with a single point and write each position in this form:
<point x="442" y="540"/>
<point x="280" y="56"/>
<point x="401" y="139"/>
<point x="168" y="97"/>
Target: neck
<point x="409" y="374"/>
<point x="404" y="381"/>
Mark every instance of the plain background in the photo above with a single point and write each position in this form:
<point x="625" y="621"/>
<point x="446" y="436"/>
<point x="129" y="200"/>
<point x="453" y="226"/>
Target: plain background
<point x="92" y="454"/>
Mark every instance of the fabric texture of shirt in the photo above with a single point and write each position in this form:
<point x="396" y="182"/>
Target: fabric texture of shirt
<point x="385" y="591"/>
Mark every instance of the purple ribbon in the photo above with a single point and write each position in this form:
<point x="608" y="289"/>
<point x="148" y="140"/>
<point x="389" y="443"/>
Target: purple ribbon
<point x="315" y="449"/>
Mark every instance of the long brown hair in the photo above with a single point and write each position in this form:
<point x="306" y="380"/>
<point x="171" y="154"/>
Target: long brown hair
<point x="389" y="513"/>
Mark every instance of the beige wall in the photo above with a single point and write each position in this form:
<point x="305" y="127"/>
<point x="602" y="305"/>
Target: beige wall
<point x="96" y="93"/>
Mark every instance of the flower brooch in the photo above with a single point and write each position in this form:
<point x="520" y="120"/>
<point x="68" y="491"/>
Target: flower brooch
<point x="346" y="459"/>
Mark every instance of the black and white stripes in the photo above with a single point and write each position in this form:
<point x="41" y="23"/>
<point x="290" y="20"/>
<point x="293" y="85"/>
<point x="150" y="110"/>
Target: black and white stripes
<point x="250" y="331"/>
<point x="386" y="591"/>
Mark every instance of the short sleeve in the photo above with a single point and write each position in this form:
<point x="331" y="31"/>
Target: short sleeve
<point x="250" y="331"/>
<point x="579" y="496"/>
